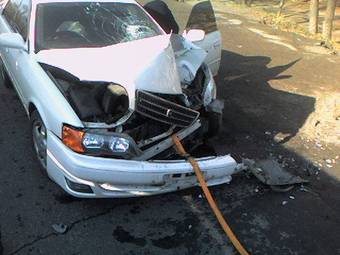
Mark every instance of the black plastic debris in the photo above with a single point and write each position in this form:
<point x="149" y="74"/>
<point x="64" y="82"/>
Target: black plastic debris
<point x="271" y="173"/>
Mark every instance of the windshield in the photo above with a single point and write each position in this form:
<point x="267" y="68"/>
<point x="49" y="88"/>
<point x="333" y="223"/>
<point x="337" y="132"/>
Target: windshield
<point x="93" y="24"/>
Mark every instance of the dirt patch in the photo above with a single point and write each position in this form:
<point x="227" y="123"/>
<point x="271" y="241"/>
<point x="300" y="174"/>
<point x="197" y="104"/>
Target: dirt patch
<point x="324" y="123"/>
<point x="318" y="50"/>
<point x="294" y="16"/>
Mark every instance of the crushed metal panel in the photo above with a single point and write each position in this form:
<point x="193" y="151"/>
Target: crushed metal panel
<point x="167" y="143"/>
<point x="153" y="70"/>
<point x="189" y="57"/>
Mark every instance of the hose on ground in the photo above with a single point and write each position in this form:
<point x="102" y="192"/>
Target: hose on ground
<point x="209" y="197"/>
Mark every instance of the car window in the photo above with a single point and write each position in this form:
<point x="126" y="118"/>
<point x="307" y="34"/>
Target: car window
<point x="22" y="18"/>
<point x="175" y="16"/>
<point x="91" y="24"/>
<point x="16" y="13"/>
<point x="10" y="11"/>
<point x="202" y="17"/>
<point x="161" y="12"/>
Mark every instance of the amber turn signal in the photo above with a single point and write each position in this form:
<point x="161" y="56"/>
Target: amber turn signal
<point x="73" y="138"/>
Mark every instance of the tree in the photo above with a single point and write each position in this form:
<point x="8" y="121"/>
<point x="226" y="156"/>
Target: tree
<point x="329" y="17"/>
<point x="313" y="16"/>
<point x="246" y="2"/>
<point x="281" y="5"/>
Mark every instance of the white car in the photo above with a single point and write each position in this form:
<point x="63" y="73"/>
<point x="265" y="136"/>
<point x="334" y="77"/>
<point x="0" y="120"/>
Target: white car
<point x="105" y="87"/>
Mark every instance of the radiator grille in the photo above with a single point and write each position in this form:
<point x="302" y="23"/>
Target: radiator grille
<point x="163" y="110"/>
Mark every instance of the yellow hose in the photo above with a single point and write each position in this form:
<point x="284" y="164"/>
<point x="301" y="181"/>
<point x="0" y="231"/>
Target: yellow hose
<point x="209" y="197"/>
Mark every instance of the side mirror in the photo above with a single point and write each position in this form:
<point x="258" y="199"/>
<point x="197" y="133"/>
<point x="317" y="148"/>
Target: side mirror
<point x="12" y="40"/>
<point x="194" y="35"/>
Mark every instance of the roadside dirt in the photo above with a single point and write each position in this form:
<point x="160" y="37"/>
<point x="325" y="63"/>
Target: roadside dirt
<point x="324" y="123"/>
<point x="294" y="16"/>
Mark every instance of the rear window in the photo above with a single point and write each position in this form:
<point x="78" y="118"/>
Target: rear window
<point x="91" y="24"/>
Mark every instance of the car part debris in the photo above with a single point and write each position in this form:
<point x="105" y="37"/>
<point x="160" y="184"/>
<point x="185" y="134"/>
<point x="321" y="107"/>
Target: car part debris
<point x="304" y="189"/>
<point x="271" y="173"/>
<point x="282" y="188"/>
<point x="59" y="228"/>
<point x="167" y="143"/>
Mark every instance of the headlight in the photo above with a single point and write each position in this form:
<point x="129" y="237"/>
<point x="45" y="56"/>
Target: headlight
<point x="93" y="141"/>
<point x="105" y="142"/>
<point x="99" y="142"/>
<point x="119" y="144"/>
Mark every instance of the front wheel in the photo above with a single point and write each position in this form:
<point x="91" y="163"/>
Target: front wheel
<point x="39" y="139"/>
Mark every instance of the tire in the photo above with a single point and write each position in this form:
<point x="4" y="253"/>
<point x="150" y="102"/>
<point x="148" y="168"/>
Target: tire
<point x="215" y="124"/>
<point x="5" y="80"/>
<point x="39" y="139"/>
<point x="38" y="130"/>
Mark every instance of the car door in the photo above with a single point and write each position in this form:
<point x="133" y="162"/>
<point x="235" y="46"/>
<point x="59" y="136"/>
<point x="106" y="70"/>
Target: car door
<point x="16" y="14"/>
<point x="202" y="17"/>
<point x="178" y="17"/>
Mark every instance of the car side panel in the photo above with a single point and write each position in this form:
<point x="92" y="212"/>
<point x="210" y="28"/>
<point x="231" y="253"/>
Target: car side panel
<point x="33" y="85"/>
<point x="212" y="44"/>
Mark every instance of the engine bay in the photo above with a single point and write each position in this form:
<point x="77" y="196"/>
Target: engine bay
<point x="105" y="106"/>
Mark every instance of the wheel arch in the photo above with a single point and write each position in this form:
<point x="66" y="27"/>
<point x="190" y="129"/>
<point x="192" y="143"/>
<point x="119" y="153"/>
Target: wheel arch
<point x="31" y="109"/>
<point x="34" y="106"/>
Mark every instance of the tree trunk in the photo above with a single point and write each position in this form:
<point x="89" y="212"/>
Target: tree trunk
<point x="249" y="3"/>
<point x="314" y="16"/>
<point x="329" y="17"/>
<point x="282" y="4"/>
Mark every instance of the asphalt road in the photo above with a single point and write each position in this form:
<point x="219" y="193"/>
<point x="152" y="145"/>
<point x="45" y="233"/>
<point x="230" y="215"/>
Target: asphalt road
<point x="182" y="223"/>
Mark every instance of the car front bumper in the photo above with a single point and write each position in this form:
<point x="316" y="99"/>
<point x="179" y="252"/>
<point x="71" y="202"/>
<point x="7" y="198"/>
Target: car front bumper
<point x="128" y="178"/>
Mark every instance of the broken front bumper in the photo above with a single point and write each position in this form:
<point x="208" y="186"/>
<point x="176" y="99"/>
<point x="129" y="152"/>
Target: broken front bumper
<point x="108" y="177"/>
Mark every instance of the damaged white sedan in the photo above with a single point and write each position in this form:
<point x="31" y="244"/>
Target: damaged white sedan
<point x="105" y="86"/>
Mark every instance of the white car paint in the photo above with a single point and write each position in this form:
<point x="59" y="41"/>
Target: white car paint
<point x="127" y="178"/>
<point x="152" y="67"/>
<point x="40" y="91"/>
<point x="212" y="44"/>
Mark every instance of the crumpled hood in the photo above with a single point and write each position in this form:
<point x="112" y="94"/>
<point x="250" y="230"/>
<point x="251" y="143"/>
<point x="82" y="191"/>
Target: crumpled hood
<point x="147" y="64"/>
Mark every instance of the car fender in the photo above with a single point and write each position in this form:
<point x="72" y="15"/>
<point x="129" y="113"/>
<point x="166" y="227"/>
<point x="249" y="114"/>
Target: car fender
<point x="43" y="94"/>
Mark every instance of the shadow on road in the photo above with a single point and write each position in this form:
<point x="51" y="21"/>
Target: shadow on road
<point x="254" y="113"/>
<point x="252" y="104"/>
